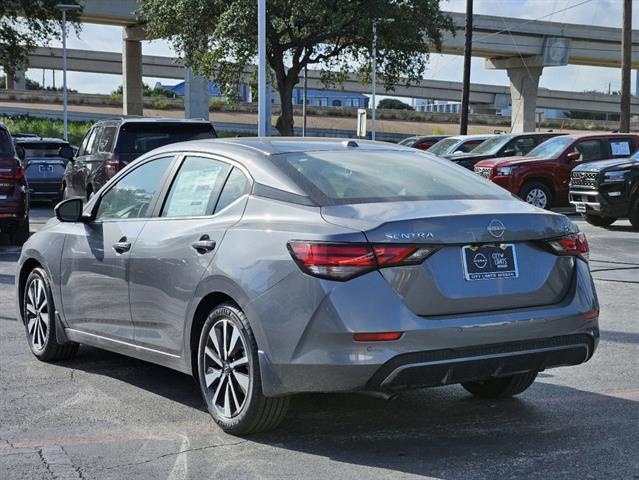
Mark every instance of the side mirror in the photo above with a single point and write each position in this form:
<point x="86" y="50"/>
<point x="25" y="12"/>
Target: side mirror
<point x="510" y="152"/>
<point x="69" y="210"/>
<point x="573" y="156"/>
<point x="66" y="152"/>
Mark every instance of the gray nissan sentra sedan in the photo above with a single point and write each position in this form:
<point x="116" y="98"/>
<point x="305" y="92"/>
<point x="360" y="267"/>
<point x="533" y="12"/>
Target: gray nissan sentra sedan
<point x="269" y="267"/>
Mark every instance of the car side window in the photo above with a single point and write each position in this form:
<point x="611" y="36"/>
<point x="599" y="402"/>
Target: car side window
<point x="93" y="141"/>
<point x="131" y="196"/>
<point x="235" y="187"/>
<point x="105" y="145"/>
<point x="85" y="141"/>
<point x="590" y="150"/>
<point x="196" y="188"/>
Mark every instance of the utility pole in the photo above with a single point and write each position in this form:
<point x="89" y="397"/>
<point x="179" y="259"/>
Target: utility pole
<point x="262" y="94"/>
<point x="468" y="46"/>
<point x="304" y="99"/>
<point x="626" y="58"/>
<point x="374" y="78"/>
<point x="64" y="8"/>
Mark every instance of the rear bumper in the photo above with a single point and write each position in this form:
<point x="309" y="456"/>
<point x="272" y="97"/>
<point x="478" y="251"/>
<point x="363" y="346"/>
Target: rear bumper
<point x="432" y="351"/>
<point x="449" y="366"/>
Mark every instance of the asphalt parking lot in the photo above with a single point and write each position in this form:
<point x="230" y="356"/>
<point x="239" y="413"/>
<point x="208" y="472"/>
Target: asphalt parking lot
<point x="105" y="416"/>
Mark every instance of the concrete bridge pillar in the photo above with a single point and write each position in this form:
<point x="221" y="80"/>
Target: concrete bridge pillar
<point x="524" y="85"/>
<point x="131" y="71"/>
<point x="16" y="82"/>
<point x="524" y="76"/>
<point x="196" y="95"/>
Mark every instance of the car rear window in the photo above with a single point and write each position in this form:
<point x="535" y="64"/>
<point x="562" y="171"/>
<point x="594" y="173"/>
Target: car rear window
<point x="42" y="149"/>
<point x="343" y="177"/>
<point x="140" y="138"/>
<point x="6" y="147"/>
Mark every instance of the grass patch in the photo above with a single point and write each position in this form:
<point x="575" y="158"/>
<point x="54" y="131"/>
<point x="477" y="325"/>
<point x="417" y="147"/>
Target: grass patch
<point x="46" y="127"/>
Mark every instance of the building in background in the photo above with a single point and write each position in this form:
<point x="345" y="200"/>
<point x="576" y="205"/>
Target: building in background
<point x="318" y="98"/>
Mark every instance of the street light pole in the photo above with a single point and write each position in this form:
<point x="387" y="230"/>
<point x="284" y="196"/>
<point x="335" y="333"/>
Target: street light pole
<point x="64" y="8"/>
<point x="261" y="69"/>
<point x="374" y="78"/>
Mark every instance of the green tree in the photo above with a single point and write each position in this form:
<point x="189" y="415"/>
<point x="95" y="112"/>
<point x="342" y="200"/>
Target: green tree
<point x="25" y="24"/>
<point x="394" y="104"/>
<point x="148" y="91"/>
<point x="218" y="38"/>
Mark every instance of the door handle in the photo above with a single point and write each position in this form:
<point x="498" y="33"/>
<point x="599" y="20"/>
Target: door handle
<point x="122" y="246"/>
<point x="204" y="245"/>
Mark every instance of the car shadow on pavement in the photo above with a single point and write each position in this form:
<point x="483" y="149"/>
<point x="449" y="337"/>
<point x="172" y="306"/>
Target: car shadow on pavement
<point x="156" y="379"/>
<point x="440" y="432"/>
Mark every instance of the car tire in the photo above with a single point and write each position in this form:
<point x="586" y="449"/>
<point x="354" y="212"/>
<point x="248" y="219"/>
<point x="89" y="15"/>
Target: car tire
<point x="501" y="387"/>
<point x="598" y="221"/>
<point x="39" y="320"/>
<point x="633" y="215"/>
<point x="229" y="375"/>
<point x="20" y="232"/>
<point x="537" y="194"/>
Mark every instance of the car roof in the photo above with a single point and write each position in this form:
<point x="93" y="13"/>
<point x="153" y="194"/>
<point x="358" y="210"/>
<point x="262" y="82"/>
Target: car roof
<point x="123" y="120"/>
<point x="582" y="136"/>
<point x="473" y="137"/>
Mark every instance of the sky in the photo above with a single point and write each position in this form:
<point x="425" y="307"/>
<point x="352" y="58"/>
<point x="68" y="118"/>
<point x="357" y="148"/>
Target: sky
<point x="441" y="67"/>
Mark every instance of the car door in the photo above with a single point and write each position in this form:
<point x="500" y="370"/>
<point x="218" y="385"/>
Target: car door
<point x="95" y="257"/>
<point x="176" y="247"/>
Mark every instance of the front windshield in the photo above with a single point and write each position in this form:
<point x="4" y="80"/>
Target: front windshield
<point x="443" y="146"/>
<point x="551" y="148"/>
<point x="492" y="145"/>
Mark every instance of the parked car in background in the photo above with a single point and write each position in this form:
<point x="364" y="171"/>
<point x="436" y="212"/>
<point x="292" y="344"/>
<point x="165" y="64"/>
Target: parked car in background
<point x="423" y="142"/>
<point x="542" y="177"/>
<point x="502" y="145"/>
<point x="14" y="193"/>
<point x="459" y="144"/>
<point x="607" y="190"/>
<point x="43" y="166"/>
<point x="270" y="267"/>
<point x="110" y="145"/>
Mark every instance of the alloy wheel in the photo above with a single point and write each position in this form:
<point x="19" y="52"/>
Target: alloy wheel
<point x="37" y="314"/>
<point x="226" y="368"/>
<point x="537" y="197"/>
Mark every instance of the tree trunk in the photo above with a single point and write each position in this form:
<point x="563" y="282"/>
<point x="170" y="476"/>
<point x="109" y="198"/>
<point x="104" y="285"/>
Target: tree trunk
<point x="285" y="121"/>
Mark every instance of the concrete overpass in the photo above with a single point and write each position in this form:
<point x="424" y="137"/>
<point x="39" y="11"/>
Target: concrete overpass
<point x="483" y="96"/>
<point x="521" y="47"/>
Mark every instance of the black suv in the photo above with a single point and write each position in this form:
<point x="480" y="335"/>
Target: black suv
<point x="111" y="144"/>
<point x="606" y="190"/>
<point x="502" y="145"/>
<point x="14" y="192"/>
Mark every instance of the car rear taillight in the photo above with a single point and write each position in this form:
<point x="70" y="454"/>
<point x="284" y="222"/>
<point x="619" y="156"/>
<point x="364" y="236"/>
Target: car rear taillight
<point x="574" y="244"/>
<point x="113" y="166"/>
<point x="343" y="261"/>
<point x="14" y="174"/>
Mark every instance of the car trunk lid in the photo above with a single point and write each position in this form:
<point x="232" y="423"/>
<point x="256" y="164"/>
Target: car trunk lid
<point x="439" y="285"/>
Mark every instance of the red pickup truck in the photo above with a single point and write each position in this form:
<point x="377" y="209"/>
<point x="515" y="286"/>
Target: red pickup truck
<point x="542" y="177"/>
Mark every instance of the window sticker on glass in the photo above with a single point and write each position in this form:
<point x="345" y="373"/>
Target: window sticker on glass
<point x="620" y="148"/>
<point x="195" y="188"/>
